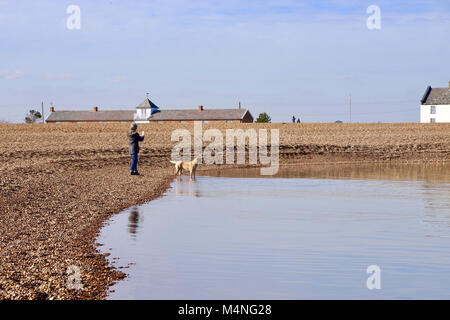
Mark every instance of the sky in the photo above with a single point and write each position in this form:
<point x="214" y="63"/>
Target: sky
<point x="303" y="58"/>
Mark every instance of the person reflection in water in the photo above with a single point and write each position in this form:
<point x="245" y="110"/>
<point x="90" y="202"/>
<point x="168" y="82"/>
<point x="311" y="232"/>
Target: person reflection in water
<point x="133" y="221"/>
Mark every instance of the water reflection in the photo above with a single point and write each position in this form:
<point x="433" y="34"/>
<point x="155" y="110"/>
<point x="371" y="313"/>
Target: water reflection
<point x="438" y="172"/>
<point x="437" y="211"/>
<point x="134" y="221"/>
<point x="290" y="238"/>
<point x="186" y="188"/>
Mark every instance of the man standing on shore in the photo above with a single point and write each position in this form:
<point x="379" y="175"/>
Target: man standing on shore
<point x="133" y="139"/>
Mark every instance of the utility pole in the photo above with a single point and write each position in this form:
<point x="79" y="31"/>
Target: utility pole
<point x="350" y="108"/>
<point x="42" y="108"/>
<point x="239" y="104"/>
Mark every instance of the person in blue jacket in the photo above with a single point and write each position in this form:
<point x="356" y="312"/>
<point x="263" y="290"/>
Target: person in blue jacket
<point x="133" y="139"/>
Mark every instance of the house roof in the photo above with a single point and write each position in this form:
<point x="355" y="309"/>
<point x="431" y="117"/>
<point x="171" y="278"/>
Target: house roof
<point x="436" y="96"/>
<point x="74" y="116"/>
<point x="194" y="114"/>
<point x="146" y="104"/>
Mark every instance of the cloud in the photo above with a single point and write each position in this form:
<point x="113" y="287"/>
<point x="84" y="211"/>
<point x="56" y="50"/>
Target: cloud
<point x="62" y="76"/>
<point x="117" y="79"/>
<point x="10" y="75"/>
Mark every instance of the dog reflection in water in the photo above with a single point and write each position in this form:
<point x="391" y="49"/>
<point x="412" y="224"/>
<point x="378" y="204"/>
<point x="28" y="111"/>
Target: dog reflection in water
<point x="186" y="189"/>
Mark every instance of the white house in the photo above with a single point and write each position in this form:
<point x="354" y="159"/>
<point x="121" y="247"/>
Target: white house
<point x="435" y="105"/>
<point x="144" y="111"/>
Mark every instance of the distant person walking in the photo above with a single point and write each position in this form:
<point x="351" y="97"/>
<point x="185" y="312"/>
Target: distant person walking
<point x="293" y="119"/>
<point x="133" y="139"/>
<point x="298" y="120"/>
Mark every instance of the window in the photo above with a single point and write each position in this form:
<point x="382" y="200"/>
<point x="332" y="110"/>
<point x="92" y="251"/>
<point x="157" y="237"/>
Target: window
<point x="160" y="122"/>
<point x="182" y="121"/>
<point x="229" y="121"/>
<point x="432" y="120"/>
<point x="205" y="121"/>
<point x="433" y="110"/>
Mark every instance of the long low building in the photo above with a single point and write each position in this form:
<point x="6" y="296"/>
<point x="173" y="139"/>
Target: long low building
<point x="90" y="116"/>
<point x="148" y="112"/>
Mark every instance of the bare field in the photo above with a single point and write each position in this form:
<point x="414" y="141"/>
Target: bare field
<point x="60" y="182"/>
<point x="54" y="142"/>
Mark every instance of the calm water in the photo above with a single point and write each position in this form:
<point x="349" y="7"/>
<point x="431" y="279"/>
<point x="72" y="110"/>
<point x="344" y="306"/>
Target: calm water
<point x="305" y="234"/>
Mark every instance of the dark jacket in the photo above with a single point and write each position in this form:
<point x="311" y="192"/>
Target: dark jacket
<point x="133" y="139"/>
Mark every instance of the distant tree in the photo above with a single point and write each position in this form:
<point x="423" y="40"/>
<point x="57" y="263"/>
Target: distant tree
<point x="338" y="121"/>
<point x="263" y="117"/>
<point x="33" y="116"/>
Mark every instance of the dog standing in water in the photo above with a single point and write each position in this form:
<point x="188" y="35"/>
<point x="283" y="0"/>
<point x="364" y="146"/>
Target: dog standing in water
<point x="188" y="166"/>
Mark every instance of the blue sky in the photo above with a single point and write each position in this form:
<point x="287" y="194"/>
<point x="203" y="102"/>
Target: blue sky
<point x="285" y="57"/>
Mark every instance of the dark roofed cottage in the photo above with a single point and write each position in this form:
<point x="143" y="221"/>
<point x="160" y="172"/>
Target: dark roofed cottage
<point x="435" y="105"/>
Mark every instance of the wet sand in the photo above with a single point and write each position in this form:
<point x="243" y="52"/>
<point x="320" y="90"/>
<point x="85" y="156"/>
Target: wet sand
<point x="60" y="183"/>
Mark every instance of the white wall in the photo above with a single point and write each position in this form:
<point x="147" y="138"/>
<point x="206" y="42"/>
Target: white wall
<point x="442" y="113"/>
<point x="142" y="113"/>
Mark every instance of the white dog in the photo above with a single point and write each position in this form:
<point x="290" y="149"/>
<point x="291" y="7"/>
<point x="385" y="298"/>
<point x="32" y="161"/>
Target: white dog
<point x="188" y="166"/>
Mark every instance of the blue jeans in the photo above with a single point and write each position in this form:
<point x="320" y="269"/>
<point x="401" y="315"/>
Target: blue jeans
<point x="134" y="162"/>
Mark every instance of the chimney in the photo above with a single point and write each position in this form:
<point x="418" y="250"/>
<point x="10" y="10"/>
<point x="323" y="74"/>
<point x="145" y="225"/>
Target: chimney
<point x="52" y="109"/>
<point x="200" y="108"/>
<point x="95" y="109"/>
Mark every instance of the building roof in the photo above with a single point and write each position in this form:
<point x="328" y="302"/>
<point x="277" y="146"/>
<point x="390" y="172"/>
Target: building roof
<point x="194" y="114"/>
<point x="75" y="116"/>
<point x="161" y="115"/>
<point x="436" y="96"/>
<point x="147" y="104"/>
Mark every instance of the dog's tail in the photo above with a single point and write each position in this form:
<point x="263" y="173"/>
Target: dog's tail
<point x="174" y="162"/>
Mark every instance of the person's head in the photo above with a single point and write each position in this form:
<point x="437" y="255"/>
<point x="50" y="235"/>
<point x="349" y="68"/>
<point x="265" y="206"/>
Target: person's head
<point x="133" y="126"/>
